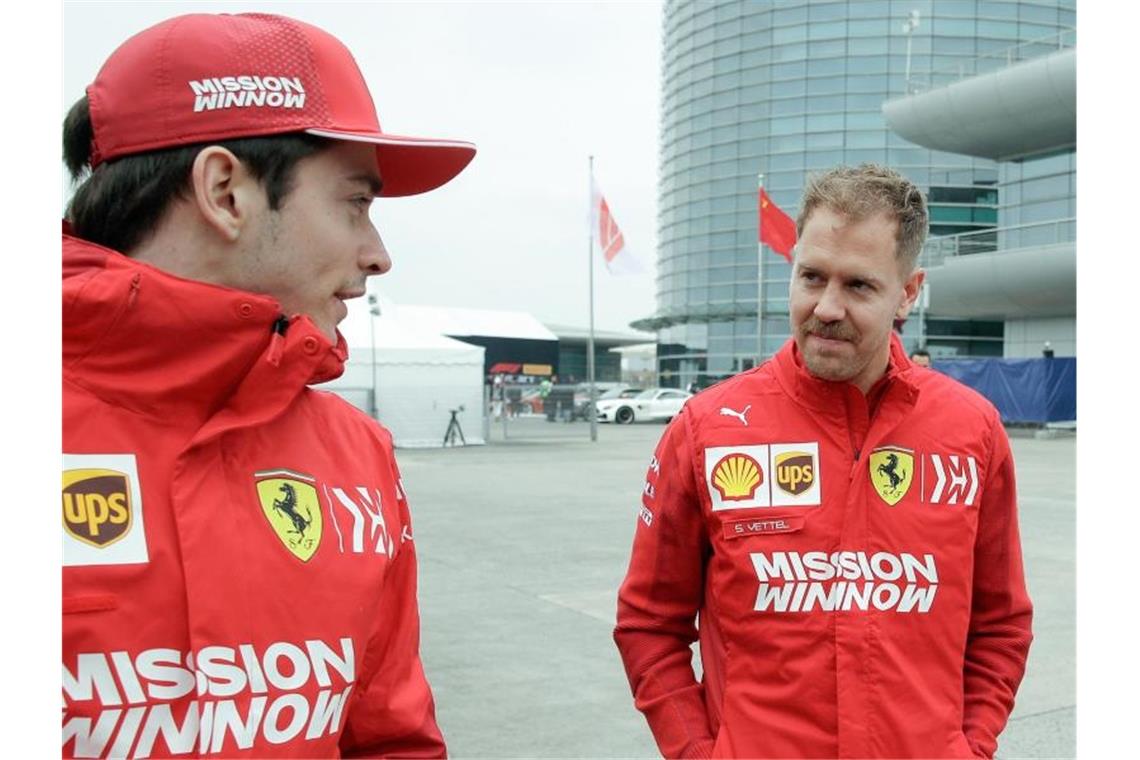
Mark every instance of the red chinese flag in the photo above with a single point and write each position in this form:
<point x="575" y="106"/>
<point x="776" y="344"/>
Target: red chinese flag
<point x="777" y="229"/>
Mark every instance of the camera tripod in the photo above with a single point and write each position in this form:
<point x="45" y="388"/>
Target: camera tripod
<point x="454" y="429"/>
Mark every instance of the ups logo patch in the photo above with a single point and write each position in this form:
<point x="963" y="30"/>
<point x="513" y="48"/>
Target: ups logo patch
<point x="795" y="471"/>
<point x="290" y="503"/>
<point x="96" y="505"/>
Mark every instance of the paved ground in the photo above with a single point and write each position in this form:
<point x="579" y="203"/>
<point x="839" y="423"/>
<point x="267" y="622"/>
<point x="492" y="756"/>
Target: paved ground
<point x="523" y="545"/>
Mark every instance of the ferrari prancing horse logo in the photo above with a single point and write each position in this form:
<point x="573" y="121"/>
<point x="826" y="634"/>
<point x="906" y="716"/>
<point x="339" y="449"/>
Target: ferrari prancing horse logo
<point x="892" y="470"/>
<point x="290" y="503"/>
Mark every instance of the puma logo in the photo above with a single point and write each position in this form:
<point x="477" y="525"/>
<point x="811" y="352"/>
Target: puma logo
<point x="738" y="415"/>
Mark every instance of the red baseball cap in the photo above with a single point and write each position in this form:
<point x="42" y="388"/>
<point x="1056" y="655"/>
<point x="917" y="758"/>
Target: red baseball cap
<point x="213" y="77"/>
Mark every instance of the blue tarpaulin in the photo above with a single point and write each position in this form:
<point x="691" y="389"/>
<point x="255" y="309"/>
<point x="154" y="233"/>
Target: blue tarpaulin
<point x="1023" y="390"/>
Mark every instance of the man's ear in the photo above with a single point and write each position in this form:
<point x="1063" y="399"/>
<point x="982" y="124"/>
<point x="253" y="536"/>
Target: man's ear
<point x="911" y="289"/>
<point x="225" y="192"/>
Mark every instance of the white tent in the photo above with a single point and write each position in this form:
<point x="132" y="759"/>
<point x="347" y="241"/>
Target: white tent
<point x="419" y="378"/>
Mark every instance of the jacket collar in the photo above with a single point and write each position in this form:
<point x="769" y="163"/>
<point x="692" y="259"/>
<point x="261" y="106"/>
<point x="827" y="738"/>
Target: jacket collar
<point x="825" y="395"/>
<point x="162" y="345"/>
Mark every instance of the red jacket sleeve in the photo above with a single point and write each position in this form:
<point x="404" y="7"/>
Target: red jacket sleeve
<point x="660" y="598"/>
<point x="393" y="713"/>
<point x="1001" y="614"/>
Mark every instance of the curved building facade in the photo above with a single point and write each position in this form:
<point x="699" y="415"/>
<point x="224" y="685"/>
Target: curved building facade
<point x="783" y="89"/>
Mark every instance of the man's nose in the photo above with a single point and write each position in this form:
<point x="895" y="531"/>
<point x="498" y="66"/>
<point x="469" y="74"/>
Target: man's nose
<point x="830" y="306"/>
<point x="374" y="258"/>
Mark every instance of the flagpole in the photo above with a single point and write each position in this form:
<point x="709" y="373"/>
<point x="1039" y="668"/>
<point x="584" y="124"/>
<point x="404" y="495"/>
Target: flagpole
<point x="590" y="409"/>
<point x="759" y="268"/>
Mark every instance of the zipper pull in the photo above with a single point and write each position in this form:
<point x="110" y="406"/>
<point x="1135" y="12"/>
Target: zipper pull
<point x="277" y="342"/>
<point x="134" y="294"/>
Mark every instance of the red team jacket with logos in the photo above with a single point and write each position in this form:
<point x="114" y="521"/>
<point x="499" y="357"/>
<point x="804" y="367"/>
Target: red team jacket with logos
<point x="239" y="574"/>
<point x="857" y="572"/>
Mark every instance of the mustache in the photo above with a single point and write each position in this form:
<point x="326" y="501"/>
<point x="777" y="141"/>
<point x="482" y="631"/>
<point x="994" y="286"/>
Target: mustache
<point x="831" y="330"/>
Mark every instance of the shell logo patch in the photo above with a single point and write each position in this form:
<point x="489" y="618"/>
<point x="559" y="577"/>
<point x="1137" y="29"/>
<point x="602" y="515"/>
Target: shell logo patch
<point x="892" y="471"/>
<point x="290" y="503"/>
<point x="737" y="477"/>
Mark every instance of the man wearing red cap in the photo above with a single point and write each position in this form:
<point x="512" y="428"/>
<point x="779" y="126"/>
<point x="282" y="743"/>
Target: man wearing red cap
<point x="239" y="572"/>
<point x="837" y="527"/>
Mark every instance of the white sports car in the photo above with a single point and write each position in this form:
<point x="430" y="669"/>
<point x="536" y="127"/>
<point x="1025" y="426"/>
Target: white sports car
<point x="652" y="404"/>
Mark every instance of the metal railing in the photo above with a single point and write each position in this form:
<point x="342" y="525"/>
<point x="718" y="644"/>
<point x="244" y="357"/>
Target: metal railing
<point x="985" y="64"/>
<point x="998" y="239"/>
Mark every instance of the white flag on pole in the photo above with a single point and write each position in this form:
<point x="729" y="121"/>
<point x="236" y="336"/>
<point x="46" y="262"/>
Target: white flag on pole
<point x="619" y="260"/>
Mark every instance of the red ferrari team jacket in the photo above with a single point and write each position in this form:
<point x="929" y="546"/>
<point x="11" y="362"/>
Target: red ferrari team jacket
<point x="239" y="575"/>
<point x="856" y="571"/>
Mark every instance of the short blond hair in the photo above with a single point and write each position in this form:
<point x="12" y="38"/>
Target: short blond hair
<point x="865" y="190"/>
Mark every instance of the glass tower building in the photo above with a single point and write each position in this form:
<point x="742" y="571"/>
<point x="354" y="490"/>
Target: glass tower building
<point x="783" y="89"/>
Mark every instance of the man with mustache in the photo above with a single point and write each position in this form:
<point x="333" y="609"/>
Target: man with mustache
<point x="846" y="551"/>
<point x="239" y="571"/>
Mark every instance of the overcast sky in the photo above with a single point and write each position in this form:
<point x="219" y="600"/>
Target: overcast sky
<point x="538" y="87"/>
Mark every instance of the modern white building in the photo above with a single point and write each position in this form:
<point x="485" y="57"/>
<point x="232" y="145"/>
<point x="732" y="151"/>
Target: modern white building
<point x="1022" y="113"/>
<point x="788" y="88"/>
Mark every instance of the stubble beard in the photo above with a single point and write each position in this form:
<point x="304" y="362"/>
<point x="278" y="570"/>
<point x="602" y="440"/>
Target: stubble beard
<point x="828" y="366"/>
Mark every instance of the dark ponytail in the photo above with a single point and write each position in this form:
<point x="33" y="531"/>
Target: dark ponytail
<point x="77" y="135"/>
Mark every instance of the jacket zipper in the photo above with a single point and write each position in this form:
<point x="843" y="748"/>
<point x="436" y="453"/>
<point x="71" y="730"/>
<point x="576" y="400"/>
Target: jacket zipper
<point x="277" y="342"/>
<point x="856" y="446"/>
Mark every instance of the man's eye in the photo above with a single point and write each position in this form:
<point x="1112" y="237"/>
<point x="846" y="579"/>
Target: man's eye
<point x="362" y="202"/>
